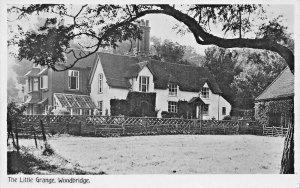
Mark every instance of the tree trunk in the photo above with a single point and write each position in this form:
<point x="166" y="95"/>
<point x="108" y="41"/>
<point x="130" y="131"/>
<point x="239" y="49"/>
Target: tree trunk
<point x="287" y="160"/>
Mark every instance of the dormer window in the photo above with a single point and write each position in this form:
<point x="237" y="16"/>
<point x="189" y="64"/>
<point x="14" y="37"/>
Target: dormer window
<point x="144" y="83"/>
<point x="205" y="92"/>
<point x="73" y="77"/>
<point x="172" y="89"/>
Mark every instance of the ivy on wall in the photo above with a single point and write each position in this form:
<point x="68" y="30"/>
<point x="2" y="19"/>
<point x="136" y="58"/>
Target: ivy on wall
<point x="118" y="107"/>
<point x="184" y="110"/>
<point x="137" y="104"/>
<point x="264" y="110"/>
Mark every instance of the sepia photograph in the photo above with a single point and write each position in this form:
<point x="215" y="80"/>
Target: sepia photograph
<point x="101" y="89"/>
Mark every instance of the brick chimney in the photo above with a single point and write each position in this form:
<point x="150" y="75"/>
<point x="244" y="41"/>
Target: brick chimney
<point x="143" y="45"/>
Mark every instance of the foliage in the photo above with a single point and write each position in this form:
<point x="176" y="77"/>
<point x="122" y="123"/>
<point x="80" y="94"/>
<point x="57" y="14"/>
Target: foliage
<point x="60" y="111"/>
<point x="21" y="68"/>
<point x="106" y="25"/>
<point x="118" y="107"/>
<point x="222" y="63"/>
<point x="168" y="51"/>
<point x="227" y="118"/>
<point x="12" y="91"/>
<point x="137" y="104"/>
<point x="141" y="104"/>
<point x="264" y="109"/>
<point x="13" y="113"/>
<point x="185" y="110"/>
<point x="242" y="74"/>
<point x="260" y="68"/>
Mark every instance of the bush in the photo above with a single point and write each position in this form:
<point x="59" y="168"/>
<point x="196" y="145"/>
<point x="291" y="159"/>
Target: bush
<point x="48" y="150"/>
<point x="227" y="118"/>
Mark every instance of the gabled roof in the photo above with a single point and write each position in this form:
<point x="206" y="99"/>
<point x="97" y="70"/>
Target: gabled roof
<point x="188" y="78"/>
<point x="118" y="68"/>
<point x="281" y="87"/>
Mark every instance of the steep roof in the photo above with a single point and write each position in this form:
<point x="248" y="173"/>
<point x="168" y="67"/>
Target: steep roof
<point x="118" y="68"/>
<point x="282" y="86"/>
<point x="83" y="63"/>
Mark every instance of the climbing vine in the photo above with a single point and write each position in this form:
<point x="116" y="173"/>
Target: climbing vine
<point x="264" y="109"/>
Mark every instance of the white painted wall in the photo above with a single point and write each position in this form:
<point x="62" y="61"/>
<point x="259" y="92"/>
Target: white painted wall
<point x="104" y="95"/>
<point x="215" y="101"/>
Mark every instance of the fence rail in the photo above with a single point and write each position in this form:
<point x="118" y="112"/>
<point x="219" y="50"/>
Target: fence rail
<point x="122" y="126"/>
<point x="274" y="131"/>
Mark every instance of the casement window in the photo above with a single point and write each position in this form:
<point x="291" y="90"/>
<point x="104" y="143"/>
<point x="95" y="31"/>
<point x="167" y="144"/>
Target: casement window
<point x="73" y="77"/>
<point x="100" y="83"/>
<point x="100" y="107"/>
<point x="223" y="110"/>
<point x="172" y="89"/>
<point x="44" y="82"/>
<point x="205" y="110"/>
<point x="35" y="84"/>
<point x="172" y="106"/>
<point x="205" y="93"/>
<point x="144" y="84"/>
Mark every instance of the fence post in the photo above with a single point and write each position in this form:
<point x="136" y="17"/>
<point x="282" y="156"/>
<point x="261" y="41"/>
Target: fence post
<point x="200" y="126"/>
<point x="80" y="128"/>
<point x="17" y="135"/>
<point x="43" y="132"/>
<point x="34" y="136"/>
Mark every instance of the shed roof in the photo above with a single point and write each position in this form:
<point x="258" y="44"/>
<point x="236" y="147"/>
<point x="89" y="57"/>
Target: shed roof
<point x="281" y="87"/>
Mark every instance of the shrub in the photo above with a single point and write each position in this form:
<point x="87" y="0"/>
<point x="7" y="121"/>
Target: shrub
<point x="227" y="118"/>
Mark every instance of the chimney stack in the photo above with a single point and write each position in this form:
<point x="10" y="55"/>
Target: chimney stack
<point x="143" y="45"/>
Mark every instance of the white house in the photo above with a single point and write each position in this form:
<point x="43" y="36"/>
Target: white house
<point x="114" y="76"/>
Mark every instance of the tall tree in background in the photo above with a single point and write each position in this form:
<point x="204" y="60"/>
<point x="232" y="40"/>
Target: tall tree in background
<point x="109" y="24"/>
<point x="12" y="90"/>
<point x="168" y="51"/>
<point x="259" y="69"/>
<point x="223" y="65"/>
<point x="21" y="68"/>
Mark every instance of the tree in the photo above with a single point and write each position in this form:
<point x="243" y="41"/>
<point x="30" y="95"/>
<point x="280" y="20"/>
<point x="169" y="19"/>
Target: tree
<point x="193" y="57"/>
<point x="168" y="51"/>
<point x="259" y="69"/>
<point x="12" y="91"/>
<point x="109" y="24"/>
<point x="21" y="68"/>
<point x="222" y="64"/>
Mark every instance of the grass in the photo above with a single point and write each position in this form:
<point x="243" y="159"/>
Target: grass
<point x="170" y="154"/>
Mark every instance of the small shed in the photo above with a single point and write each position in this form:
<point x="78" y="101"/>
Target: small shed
<point x="274" y="107"/>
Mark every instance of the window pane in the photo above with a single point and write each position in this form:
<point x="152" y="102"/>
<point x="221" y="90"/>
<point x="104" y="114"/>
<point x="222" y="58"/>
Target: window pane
<point x="41" y="81"/>
<point x="73" y="83"/>
<point x="35" y="84"/>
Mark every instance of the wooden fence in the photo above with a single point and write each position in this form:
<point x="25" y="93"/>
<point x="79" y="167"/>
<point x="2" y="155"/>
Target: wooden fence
<point x="274" y="131"/>
<point x="127" y="126"/>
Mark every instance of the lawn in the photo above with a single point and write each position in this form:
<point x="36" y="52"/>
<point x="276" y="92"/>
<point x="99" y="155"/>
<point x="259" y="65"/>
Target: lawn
<point x="171" y="154"/>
